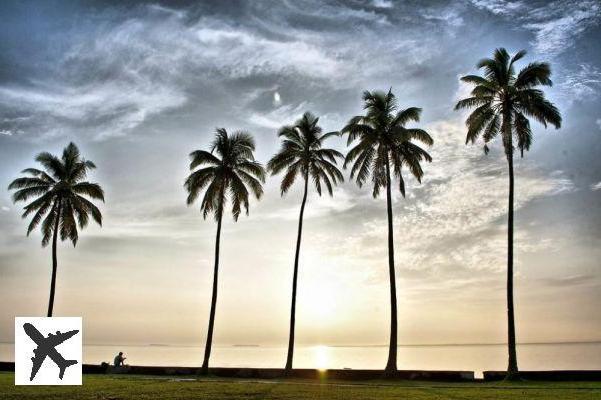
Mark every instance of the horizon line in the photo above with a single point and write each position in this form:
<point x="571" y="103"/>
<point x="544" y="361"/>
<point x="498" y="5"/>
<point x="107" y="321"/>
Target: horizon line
<point x="597" y="341"/>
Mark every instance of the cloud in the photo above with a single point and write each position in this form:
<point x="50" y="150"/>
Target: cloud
<point x="500" y="7"/>
<point x="113" y="81"/>
<point x="117" y="76"/>
<point x="596" y="186"/>
<point x="581" y="83"/>
<point x="5" y="209"/>
<point x="382" y="3"/>
<point x="455" y="220"/>
<point x="104" y="109"/>
<point x="282" y="115"/>
<point x="598" y="122"/>
<point x="570" y="280"/>
<point x="556" y="25"/>
<point x="449" y="16"/>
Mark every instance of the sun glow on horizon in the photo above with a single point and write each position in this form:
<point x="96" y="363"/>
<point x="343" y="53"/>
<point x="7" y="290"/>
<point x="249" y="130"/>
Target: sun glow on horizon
<point x="321" y="357"/>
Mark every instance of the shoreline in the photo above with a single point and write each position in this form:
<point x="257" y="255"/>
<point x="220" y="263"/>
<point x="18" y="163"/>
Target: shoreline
<point x="335" y="374"/>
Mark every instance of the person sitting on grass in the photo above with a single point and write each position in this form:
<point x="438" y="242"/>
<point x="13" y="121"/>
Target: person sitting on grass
<point x="119" y="359"/>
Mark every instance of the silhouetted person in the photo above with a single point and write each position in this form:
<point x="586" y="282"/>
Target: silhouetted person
<point x="119" y="359"/>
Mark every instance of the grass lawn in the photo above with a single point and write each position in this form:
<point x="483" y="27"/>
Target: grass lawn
<point x="106" y="387"/>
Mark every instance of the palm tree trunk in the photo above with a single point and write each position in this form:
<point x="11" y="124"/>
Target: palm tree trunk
<point x="392" y="350"/>
<point x="54" y="259"/>
<point x="294" y="279"/>
<point x="205" y="364"/>
<point x="512" y="367"/>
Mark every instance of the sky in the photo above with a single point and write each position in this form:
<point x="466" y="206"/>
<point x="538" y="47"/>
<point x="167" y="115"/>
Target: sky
<point x="138" y="86"/>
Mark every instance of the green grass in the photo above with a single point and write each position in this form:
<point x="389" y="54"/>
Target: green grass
<point x="105" y="387"/>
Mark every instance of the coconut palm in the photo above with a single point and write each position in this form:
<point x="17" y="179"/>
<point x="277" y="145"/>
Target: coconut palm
<point x="384" y="143"/>
<point x="302" y="155"/>
<point x="59" y="203"/>
<point x="229" y="170"/>
<point x="503" y="103"/>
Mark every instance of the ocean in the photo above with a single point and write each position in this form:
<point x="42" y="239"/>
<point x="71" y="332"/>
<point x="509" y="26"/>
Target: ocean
<point x="471" y="357"/>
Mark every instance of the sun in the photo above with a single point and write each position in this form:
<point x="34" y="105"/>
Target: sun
<point x="321" y="357"/>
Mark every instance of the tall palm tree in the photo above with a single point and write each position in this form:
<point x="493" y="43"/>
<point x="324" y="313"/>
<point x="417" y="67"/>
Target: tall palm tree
<point x="59" y="203"/>
<point x="302" y="154"/>
<point x="384" y="143"/>
<point x="229" y="171"/>
<point x="503" y="102"/>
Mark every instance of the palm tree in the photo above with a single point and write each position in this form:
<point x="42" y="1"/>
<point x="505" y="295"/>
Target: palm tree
<point x="384" y="143"/>
<point x="302" y="154"/>
<point x="503" y="102"/>
<point x="231" y="176"/>
<point x="59" y="191"/>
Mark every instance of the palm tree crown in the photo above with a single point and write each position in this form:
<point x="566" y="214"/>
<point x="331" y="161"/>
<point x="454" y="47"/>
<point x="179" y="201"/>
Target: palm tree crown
<point x="384" y="141"/>
<point x="230" y="176"/>
<point x="503" y="101"/>
<point x="302" y="153"/>
<point x="59" y="191"/>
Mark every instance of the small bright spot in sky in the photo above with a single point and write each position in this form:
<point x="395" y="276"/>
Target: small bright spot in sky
<point x="277" y="99"/>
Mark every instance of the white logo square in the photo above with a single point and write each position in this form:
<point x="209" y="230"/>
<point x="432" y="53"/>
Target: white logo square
<point x="48" y="351"/>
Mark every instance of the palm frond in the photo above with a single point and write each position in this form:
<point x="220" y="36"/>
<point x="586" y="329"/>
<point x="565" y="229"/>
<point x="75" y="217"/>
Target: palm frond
<point x="67" y="224"/>
<point x="37" y="217"/>
<point x="27" y="182"/>
<point x="329" y="154"/>
<point x="39" y="174"/>
<point x="328" y="135"/>
<point x="253" y="183"/>
<point x="406" y="115"/>
<point x="37" y="203"/>
<point x="197" y="181"/>
<point x="52" y="164"/>
<point x="473" y="102"/>
<point x="534" y="74"/>
<point x="48" y="224"/>
<point x="32" y="191"/>
<point x="238" y="195"/>
<point x="202" y="157"/>
<point x="523" y="132"/>
<point x="533" y="103"/>
<point x="289" y="177"/>
<point x="476" y="80"/>
<point x="92" y="190"/>
<point x="419" y="134"/>
<point x="477" y="121"/>
<point x="88" y="207"/>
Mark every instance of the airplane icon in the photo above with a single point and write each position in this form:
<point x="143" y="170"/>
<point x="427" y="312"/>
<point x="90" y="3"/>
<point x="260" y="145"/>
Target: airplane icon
<point x="46" y="348"/>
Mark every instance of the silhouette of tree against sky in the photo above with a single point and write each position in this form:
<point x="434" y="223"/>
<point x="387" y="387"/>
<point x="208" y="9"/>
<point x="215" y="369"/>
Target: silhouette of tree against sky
<point x="384" y="143"/>
<point x="228" y="172"/>
<point x="503" y="102"/>
<point x="59" y="192"/>
<point x="302" y="154"/>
